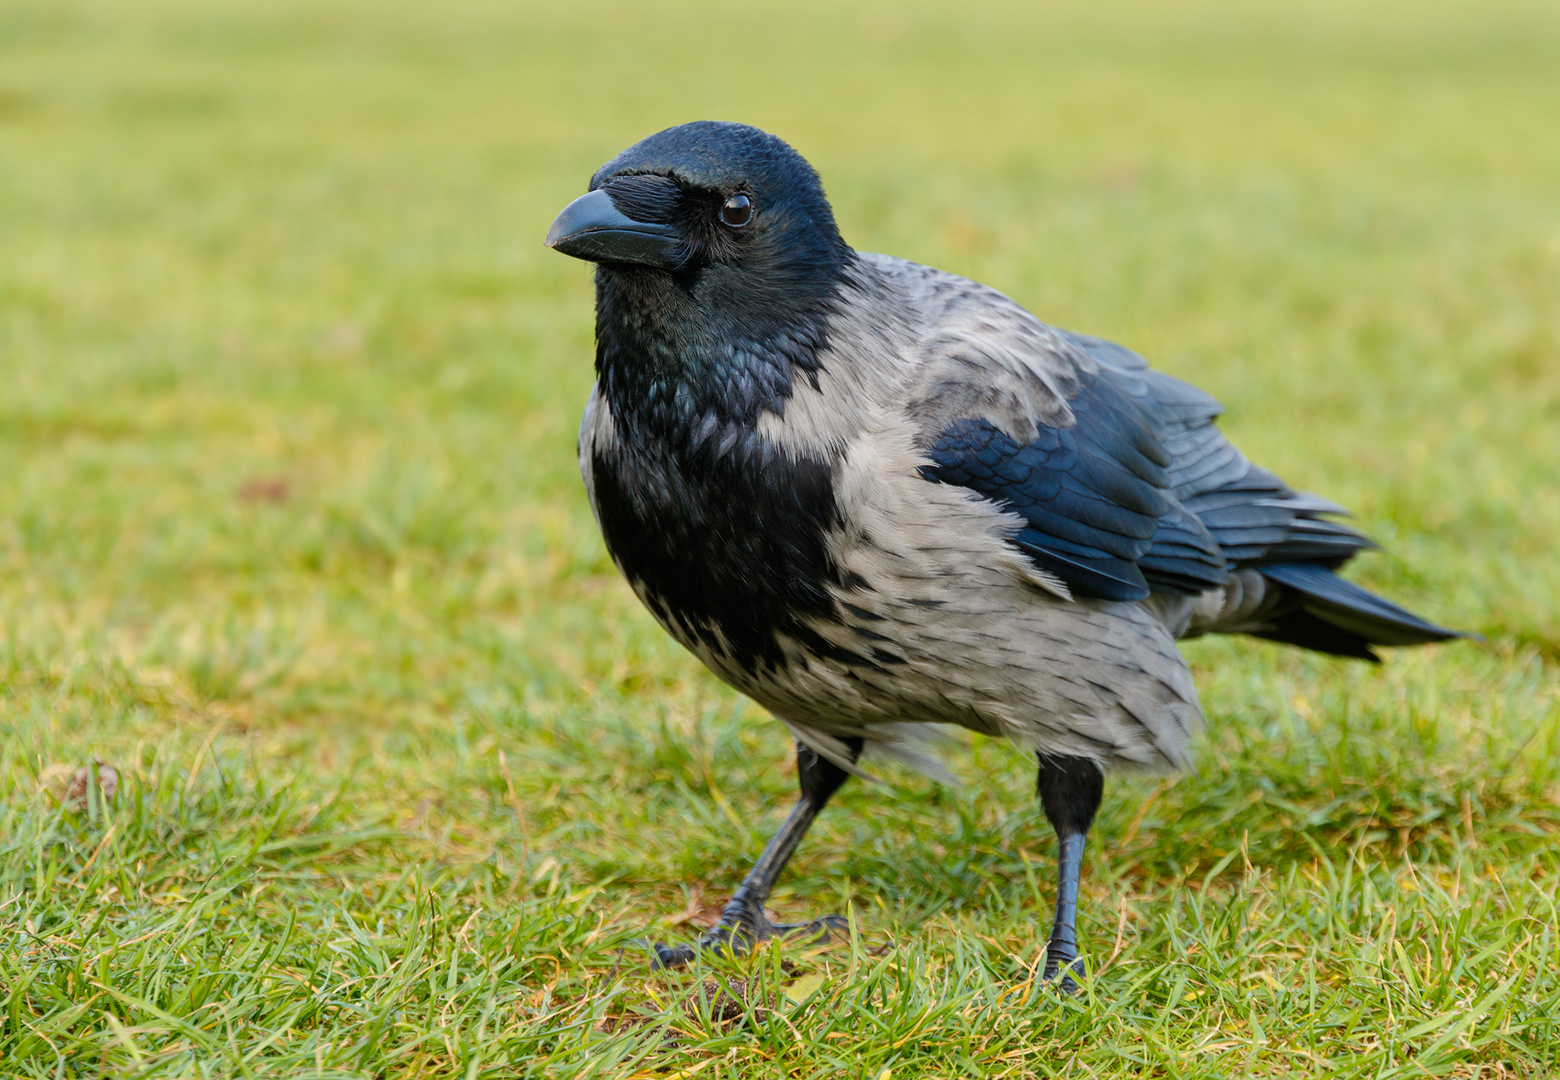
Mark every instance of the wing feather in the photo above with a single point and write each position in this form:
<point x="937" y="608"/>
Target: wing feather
<point x="1126" y="485"/>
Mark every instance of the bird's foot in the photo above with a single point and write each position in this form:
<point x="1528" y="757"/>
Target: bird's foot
<point x="1060" y="974"/>
<point x="742" y="926"/>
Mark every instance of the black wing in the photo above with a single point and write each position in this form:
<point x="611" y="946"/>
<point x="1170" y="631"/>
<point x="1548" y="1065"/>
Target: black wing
<point x="1095" y="496"/>
<point x="1259" y="522"/>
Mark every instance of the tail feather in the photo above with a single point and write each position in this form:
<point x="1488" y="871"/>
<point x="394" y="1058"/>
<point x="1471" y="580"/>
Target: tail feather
<point x="1300" y="628"/>
<point x="1337" y="616"/>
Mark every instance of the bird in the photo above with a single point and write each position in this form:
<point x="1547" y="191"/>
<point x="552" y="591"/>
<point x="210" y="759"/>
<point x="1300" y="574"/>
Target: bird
<point x="883" y="500"/>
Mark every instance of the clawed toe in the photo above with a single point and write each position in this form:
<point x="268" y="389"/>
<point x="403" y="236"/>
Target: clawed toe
<point x="718" y="940"/>
<point x="725" y="938"/>
<point x="670" y="956"/>
<point x="1062" y="978"/>
<point x="818" y="930"/>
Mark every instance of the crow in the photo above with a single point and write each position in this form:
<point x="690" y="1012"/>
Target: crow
<point x="874" y="496"/>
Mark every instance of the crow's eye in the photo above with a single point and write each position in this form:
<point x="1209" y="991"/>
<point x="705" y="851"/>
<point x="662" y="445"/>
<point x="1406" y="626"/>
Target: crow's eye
<point x="737" y="211"/>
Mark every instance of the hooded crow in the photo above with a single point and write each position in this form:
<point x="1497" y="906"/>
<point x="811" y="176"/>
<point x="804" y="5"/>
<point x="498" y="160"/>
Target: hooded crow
<point x="874" y="496"/>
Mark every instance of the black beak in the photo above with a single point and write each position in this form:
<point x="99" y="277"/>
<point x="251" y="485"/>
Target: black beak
<point x="592" y="228"/>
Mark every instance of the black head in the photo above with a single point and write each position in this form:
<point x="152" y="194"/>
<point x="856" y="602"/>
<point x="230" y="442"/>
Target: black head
<point x="707" y="228"/>
<point x="702" y="195"/>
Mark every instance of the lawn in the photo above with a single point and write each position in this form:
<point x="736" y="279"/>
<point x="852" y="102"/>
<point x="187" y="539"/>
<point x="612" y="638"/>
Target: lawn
<point x="291" y="539"/>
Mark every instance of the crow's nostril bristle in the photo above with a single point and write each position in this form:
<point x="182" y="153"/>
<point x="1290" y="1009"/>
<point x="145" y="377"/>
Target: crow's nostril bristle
<point x="645" y="197"/>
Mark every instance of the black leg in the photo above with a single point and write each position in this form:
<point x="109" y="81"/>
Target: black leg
<point x="1070" y="791"/>
<point x="743" y="922"/>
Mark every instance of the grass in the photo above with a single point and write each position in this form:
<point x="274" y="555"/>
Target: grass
<point x="290" y="538"/>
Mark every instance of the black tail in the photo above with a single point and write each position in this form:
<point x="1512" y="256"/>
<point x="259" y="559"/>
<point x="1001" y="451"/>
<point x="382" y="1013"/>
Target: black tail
<point x="1331" y="615"/>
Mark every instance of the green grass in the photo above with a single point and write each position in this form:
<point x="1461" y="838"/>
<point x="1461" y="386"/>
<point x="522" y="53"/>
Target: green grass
<point x="290" y="535"/>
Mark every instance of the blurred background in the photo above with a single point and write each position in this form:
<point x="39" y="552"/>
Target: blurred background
<point x="290" y="528"/>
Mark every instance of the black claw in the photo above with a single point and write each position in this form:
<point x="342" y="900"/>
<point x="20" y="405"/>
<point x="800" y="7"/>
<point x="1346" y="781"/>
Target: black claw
<point x="821" y="928"/>
<point x="670" y="956"/>
<point x="1061" y="977"/>
<point x="718" y="939"/>
<point x="743" y="924"/>
<point x="740" y="938"/>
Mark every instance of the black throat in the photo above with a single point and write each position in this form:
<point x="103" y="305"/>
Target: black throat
<point x="675" y="351"/>
<point x="722" y="531"/>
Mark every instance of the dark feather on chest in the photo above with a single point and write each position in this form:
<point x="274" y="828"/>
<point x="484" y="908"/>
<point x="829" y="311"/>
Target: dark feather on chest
<point x="725" y="537"/>
<point x="722" y="531"/>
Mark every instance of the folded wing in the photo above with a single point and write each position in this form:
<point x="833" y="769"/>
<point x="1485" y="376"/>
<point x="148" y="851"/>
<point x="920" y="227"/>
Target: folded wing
<point x="1261" y="524"/>
<point x="1131" y="489"/>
